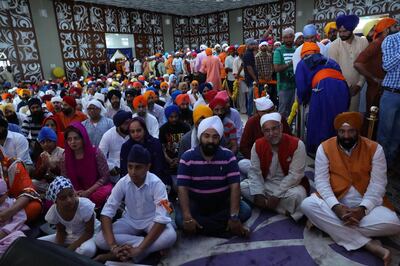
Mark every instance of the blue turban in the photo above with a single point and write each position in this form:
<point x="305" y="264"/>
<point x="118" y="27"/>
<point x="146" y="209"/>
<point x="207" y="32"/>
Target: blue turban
<point x="157" y="83"/>
<point x="349" y="22"/>
<point x="59" y="183"/>
<point x="171" y="109"/>
<point x="104" y="90"/>
<point x="47" y="133"/>
<point x="151" y="88"/>
<point x="175" y="94"/>
<point x="309" y="30"/>
<point x="139" y="154"/>
<point x="120" y="117"/>
<point x="7" y="84"/>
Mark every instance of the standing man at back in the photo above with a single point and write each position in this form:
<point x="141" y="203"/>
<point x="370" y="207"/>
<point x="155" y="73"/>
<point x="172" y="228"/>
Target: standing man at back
<point x="345" y="51"/>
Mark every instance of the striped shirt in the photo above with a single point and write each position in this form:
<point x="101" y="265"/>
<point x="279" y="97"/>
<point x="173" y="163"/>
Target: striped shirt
<point x="391" y="61"/>
<point x="31" y="129"/>
<point x="208" y="181"/>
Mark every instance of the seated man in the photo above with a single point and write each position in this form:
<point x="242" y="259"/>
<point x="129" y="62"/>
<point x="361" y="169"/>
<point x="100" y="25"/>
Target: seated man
<point x="146" y="213"/>
<point x="350" y="178"/>
<point x="277" y="167"/>
<point x="209" y="186"/>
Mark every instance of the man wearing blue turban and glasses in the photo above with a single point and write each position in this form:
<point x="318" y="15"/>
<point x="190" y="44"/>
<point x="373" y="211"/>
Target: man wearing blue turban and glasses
<point x="345" y="51"/>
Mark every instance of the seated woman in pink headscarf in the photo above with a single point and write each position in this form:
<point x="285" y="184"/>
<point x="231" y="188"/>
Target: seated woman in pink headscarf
<point x="85" y="165"/>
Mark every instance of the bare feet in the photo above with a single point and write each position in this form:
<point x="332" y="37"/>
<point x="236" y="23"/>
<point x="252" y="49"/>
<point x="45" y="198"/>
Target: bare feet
<point x="105" y="257"/>
<point x="376" y="248"/>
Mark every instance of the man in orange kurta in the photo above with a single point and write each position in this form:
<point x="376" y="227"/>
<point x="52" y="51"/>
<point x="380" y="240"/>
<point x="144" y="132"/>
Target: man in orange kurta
<point x="69" y="113"/>
<point x="350" y="178"/>
<point x="212" y="66"/>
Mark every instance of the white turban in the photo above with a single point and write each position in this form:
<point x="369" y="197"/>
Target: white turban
<point x="56" y="99"/>
<point x="287" y="31"/>
<point x="270" y="117"/>
<point x="99" y="96"/>
<point x="262" y="44"/>
<point x="225" y="45"/>
<point x="217" y="46"/>
<point x="203" y="47"/>
<point x="211" y="122"/>
<point x="297" y="35"/>
<point x="263" y="104"/>
<point x="98" y="104"/>
<point x="50" y="92"/>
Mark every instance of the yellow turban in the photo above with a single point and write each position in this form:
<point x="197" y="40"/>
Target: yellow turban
<point x="201" y="111"/>
<point x="7" y="106"/>
<point x="328" y="27"/>
<point x="354" y="119"/>
<point x="369" y="25"/>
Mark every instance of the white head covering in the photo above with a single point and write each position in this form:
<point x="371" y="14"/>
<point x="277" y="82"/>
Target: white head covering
<point x="203" y="47"/>
<point x="99" y="96"/>
<point x="217" y="46"/>
<point x="263" y="104"/>
<point x="270" y="117"/>
<point x="224" y="45"/>
<point x="211" y="122"/>
<point x="96" y="103"/>
<point x="297" y="35"/>
<point x="287" y="31"/>
<point x="56" y="99"/>
<point x="50" y="92"/>
<point x="262" y="44"/>
<point x="277" y="43"/>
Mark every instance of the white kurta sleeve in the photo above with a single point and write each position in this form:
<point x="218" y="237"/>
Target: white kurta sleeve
<point x="296" y="169"/>
<point x="322" y="177"/>
<point x="256" y="179"/>
<point x="115" y="199"/>
<point x="104" y="146"/>
<point x="160" y="196"/>
<point x="377" y="184"/>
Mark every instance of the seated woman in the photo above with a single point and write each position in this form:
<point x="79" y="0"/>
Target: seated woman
<point x="20" y="187"/>
<point x="85" y="165"/>
<point x="12" y="228"/>
<point x="138" y="134"/>
<point x="54" y="123"/>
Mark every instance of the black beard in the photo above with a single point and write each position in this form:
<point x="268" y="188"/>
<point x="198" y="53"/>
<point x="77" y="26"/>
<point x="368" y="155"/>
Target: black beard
<point x="37" y="118"/>
<point x="67" y="112"/>
<point x="3" y="134"/>
<point x="125" y="132"/>
<point x="209" y="149"/>
<point x="115" y="105"/>
<point x="345" y="38"/>
<point x="369" y="38"/>
<point x="13" y="119"/>
<point x="347" y="143"/>
<point x="150" y="105"/>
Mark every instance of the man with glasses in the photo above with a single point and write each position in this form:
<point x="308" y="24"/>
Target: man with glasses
<point x="277" y="167"/>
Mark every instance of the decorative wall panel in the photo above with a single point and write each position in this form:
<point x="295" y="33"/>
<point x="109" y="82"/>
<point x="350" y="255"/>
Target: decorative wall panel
<point x="82" y="28"/>
<point x="207" y="29"/>
<point x="18" y="41"/>
<point x="327" y="10"/>
<point x="257" y="19"/>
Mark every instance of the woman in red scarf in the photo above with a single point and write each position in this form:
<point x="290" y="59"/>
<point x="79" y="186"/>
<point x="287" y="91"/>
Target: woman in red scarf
<point x="85" y="165"/>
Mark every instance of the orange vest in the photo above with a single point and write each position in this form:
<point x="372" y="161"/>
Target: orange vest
<point x="287" y="147"/>
<point x="354" y="170"/>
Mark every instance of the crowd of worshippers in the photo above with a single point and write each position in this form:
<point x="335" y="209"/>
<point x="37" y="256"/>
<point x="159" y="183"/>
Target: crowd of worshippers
<point x="171" y="150"/>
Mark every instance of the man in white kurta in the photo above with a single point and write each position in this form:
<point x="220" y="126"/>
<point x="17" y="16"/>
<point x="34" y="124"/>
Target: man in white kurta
<point x="277" y="189"/>
<point x="351" y="219"/>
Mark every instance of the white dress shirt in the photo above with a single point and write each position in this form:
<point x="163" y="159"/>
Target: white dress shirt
<point x="158" y="112"/>
<point x="110" y="145"/>
<point x="17" y="146"/>
<point x="142" y="204"/>
<point x="375" y="191"/>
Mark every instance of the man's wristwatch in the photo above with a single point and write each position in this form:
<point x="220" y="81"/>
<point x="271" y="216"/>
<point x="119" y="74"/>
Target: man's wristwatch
<point x="234" y="217"/>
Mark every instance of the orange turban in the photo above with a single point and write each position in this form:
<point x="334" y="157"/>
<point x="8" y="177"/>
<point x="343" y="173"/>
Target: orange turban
<point x="24" y="91"/>
<point x="147" y="94"/>
<point x="384" y="24"/>
<point x="354" y="119"/>
<point x="241" y="49"/>
<point x="50" y="106"/>
<point x="163" y="84"/>
<point x="182" y="97"/>
<point x="309" y="48"/>
<point x="201" y="111"/>
<point x="208" y="51"/>
<point x="5" y="96"/>
<point x="139" y="100"/>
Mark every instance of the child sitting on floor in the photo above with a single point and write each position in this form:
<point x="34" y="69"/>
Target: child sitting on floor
<point x="11" y="229"/>
<point x="73" y="216"/>
<point x="145" y="226"/>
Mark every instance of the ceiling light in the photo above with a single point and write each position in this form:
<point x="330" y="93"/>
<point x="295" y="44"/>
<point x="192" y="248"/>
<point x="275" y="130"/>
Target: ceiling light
<point x="138" y="21"/>
<point x="239" y="19"/>
<point x="43" y="13"/>
<point x="167" y="21"/>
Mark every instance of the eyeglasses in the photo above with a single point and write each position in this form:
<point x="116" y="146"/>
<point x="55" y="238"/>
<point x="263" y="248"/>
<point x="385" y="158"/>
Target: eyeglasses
<point x="271" y="130"/>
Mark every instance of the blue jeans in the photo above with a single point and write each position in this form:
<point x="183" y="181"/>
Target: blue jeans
<point x="389" y="125"/>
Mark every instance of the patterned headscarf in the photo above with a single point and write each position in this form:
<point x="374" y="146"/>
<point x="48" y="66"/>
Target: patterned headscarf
<point x="58" y="184"/>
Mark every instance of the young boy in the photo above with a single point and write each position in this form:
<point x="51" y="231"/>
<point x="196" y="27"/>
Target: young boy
<point x="146" y="213"/>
